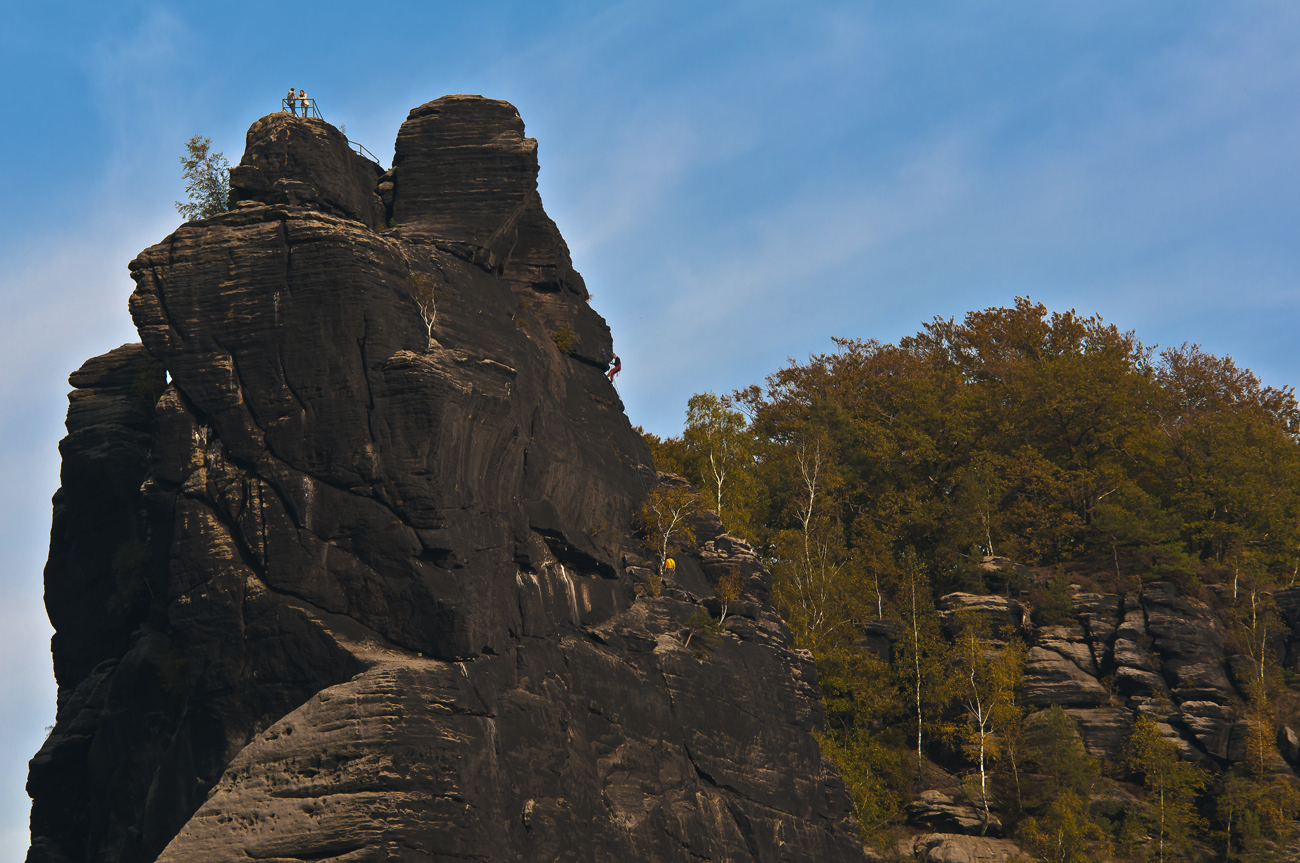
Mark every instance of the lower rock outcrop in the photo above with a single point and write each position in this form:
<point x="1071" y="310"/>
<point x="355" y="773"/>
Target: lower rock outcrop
<point x="935" y="810"/>
<point x="950" y="848"/>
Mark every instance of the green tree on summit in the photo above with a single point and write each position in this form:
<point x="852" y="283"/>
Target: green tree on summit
<point x="207" y="180"/>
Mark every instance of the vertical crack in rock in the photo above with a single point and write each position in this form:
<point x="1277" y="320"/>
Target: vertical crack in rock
<point x="337" y="592"/>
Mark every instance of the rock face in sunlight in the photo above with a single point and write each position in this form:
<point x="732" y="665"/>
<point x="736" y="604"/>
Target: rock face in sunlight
<point x="358" y="580"/>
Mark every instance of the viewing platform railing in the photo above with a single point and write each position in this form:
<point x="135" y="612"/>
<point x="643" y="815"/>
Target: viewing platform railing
<point x="307" y="108"/>
<point x="362" y="151"/>
<point x="301" y="107"/>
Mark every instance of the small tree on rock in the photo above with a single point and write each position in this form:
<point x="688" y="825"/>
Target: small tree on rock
<point x="729" y="589"/>
<point x="424" y="290"/>
<point x="1063" y="829"/>
<point x="207" y="180"/>
<point x="1171" y="783"/>
<point x="922" y="656"/>
<point x="665" y="519"/>
<point x="719" y="445"/>
<point x="986" y="678"/>
<point x="1065" y="833"/>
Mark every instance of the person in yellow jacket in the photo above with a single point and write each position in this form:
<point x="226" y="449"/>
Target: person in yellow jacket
<point x="670" y="567"/>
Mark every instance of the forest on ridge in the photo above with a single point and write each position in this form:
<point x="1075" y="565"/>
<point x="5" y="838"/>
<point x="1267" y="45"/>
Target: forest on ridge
<point x="1037" y="456"/>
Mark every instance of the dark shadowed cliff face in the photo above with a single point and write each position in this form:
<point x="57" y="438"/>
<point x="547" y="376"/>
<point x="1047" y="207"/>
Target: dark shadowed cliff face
<point x="348" y="592"/>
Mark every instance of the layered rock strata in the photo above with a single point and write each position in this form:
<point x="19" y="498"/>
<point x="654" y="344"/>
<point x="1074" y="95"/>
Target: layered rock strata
<point x="1157" y="653"/>
<point x="359" y="584"/>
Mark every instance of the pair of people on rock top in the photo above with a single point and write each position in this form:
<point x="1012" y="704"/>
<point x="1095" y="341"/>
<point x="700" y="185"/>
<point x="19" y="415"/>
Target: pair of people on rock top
<point x="294" y="101"/>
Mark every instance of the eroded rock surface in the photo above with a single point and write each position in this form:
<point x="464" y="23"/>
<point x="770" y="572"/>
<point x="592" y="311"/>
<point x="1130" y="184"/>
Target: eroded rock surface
<point x="303" y="160"/>
<point x="937" y="811"/>
<point x="999" y="615"/>
<point x="351" y="591"/>
<point x="956" y="848"/>
<point x="1156" y="653"/>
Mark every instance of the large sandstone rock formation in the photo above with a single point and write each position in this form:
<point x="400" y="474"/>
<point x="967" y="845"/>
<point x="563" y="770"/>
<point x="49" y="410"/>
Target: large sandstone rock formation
<point x="340" y="590"/>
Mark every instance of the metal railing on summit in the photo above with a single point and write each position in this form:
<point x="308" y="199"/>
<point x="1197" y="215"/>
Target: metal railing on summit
<point x="307" y="108"/>
<point x="362" y="151"/>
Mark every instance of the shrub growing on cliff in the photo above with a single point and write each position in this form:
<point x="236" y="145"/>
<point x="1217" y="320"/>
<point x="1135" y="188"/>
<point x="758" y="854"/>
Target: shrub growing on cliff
<point x="1065" y="833"/>
<point x="149" y="382"/>
<point x="701" y="624"/>
<point x="566" y="340"/>
<point x="1053" y="604"/>
<point x="207" y="180"/>
<point x="728" y="590"/>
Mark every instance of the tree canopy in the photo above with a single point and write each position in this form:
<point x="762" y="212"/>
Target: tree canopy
<point x="1048" y="438"/>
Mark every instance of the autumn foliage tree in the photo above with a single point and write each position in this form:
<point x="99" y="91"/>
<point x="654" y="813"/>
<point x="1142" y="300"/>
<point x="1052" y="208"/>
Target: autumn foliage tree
<point x="1044" y="437"/>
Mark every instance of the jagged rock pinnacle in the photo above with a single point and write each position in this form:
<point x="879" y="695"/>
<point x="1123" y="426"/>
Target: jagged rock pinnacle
<point x="361" y="583"/>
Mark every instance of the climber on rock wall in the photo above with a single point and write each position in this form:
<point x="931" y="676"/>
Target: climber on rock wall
<point x="615" y="368"/>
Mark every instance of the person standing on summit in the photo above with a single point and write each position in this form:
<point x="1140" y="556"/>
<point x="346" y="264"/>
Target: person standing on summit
<point x="302" y="100"/>
<point x="292" y="102"/>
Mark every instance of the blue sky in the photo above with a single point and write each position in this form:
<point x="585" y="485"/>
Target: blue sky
<point x="738" y="183"/>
